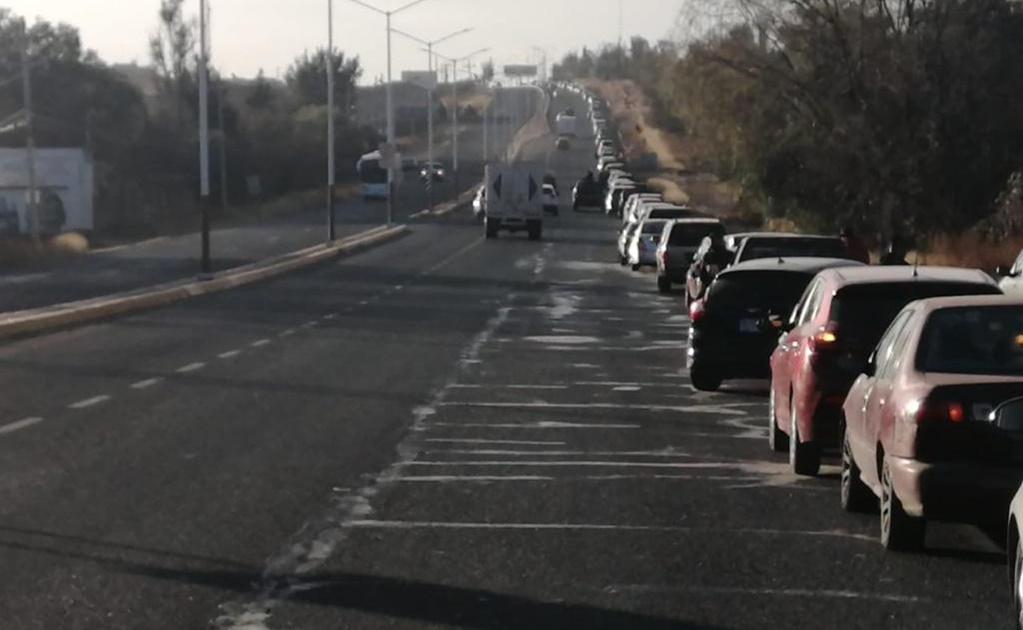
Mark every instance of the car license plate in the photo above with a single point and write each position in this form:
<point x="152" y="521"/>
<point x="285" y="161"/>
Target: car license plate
<point x="748" y="326"/>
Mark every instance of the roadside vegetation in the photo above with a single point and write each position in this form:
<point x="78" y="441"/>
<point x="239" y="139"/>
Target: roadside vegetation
<point x="895" y="116"/>
<point x="139" y="123"/>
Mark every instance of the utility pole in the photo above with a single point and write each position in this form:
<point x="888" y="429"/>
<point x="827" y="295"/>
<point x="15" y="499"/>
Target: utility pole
<point x="331" y="230"/>
<point x="454" y="128"/>
<point x="31" y="208"/>
<point x="390" y="127"/>
<point x="221" y="94"/>
<point x="204" y="142"/>
<point x="429" y="127"/>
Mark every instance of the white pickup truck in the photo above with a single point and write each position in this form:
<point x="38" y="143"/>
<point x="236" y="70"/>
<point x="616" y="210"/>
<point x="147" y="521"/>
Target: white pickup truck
<point x="514" y="199"/>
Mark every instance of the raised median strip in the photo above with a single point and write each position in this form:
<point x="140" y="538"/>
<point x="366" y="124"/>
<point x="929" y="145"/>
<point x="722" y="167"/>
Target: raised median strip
<point x="82" y="311"/>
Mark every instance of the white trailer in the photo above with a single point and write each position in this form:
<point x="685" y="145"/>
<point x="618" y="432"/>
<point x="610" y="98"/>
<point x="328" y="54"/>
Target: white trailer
<point x="514" y="199"/>
<point x="64" y="187"/>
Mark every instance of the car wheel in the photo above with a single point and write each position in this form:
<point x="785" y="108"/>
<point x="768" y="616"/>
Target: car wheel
<point x="804" y="457"/>
<point x="663" y="284"/>
<point x="856" y="496"/>
<point x="1017" y="584"/>
<point x="776" y="438"/>
<point x="637" y="267"/>
<point x="899" y="531"/>
<point x="704" y="380"/>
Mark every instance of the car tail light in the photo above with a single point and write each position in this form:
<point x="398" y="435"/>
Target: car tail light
<point x="697" y="310"/>
<point x="664" y="257"/>
<point x="823" y="341"/>
<point x="935" y="411"/>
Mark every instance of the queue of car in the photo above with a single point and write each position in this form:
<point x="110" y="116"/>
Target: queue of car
<point x="910" y="376"/>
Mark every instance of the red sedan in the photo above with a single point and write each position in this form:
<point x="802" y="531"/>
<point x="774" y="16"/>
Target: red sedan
<point x="832" y="331"/>
<point x="919" y="434"/>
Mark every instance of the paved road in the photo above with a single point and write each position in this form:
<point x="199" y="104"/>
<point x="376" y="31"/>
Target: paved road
<point x="444" y="432"/>
<point x="174" y="258"/>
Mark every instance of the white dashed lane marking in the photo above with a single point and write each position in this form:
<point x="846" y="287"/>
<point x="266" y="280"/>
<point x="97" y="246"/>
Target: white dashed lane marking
<point x="149" y="382"/>
<point x="89" y="402"/>
<point x="191" y="367"/>
<point x="230" y="354"/>
<point x="20" y="424"/>
<point x="287" y="333"/>
<point x="260" y="343"/>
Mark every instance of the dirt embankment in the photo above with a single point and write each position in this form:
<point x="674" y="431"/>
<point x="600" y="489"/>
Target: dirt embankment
<point x="641" y="138"/>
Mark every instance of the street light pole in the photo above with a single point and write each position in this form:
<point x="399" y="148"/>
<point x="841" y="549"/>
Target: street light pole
<point x="31" y="208"/>
<point x="204" y="141"/>
<point x="390" y="97"/>
<point x="331" y="234"/>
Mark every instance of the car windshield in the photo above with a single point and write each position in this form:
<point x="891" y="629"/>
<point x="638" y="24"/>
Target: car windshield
<point x="756" y="248"/>
<point x="692" y="234"/>
<point x="863" y="312"/>
<point x="982" y="340"/>
<point x="770" y="291"/>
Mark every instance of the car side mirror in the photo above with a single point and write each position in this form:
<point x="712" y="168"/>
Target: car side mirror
<point x="773" y="323"/>
<point x="1005" y="272"/>
<point x="1008" y="415"/>
<point x="870" y="367"/>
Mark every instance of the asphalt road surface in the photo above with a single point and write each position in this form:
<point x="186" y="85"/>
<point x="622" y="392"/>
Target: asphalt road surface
<point x="443" y="432"/>
<point x="173" y="258"/>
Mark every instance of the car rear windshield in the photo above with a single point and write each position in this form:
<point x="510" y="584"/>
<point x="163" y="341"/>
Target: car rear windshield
<point x="864" y="312"/>
<point x="653" y="227"/>
<point x="767" y="291"/>
<point x="793" y="247"/>
<point x="692" y="234"/>
<point x="982" y="340"/>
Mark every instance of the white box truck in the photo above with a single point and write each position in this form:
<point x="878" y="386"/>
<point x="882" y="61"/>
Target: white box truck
<point x="514" y="199"/>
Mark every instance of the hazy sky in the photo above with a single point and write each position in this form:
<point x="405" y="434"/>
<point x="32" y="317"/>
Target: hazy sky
<point x="253" y="34"/>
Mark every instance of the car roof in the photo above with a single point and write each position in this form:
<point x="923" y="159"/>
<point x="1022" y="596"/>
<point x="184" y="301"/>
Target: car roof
<point x="695" y="220"/>
<point x="786" y="235"/>
<point x="805" y="265"/>
<point x="933" y="304"/>
<point x="886" y="274"/>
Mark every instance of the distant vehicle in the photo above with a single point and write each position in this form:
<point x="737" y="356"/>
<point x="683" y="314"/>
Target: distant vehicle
<point x="514" y="199"/>
<point x="565" y="125"/>
<point x="779" y="245"/>
<point x="624" y="240"/>
<point x="642" y="251"/>
<point x="635" y="202"/>
<point x="729" y="334"/>
<point x="550" y="199"/>
<point x="920" y="436"/>
<point x="679" y="243"/>
<point x="1011" y="277"/>
<point x="668" y="211"/>
<point x="827" y="339"/>
<point x="586" y="195"/>
<point x="479" y="202"/>
<point x="569" y="112"/>
<point x="562" y="144"/>
<point x="706" y="265"/>
<point x="614" y="195"/>
<point x="1009" y="416"/>
<point x="372" y="176"/>
<point x="734" y="241"/>
<point x="610" y="163"/>
<point x="433" y="171"/>
<point x="409" y="164"/>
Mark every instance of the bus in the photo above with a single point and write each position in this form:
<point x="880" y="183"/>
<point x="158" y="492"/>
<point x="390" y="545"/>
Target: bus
<point x="372" y="176"/>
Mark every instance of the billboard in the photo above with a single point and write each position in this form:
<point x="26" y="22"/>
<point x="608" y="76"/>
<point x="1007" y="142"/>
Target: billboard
<point x="63" y="190"/>
<point x="422" y="78"/>
<point x="520" y="71"/>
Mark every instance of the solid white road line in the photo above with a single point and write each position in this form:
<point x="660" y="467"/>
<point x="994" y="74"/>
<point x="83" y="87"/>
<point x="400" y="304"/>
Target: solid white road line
<point x="457" y="451"/>
<point x="766" y="592"/>
<point x="311" y="324"/>
<point x="20" y="424"/>
<point x="149" y="382"/>
<point x="510" y="442"/>
<point x="499" y="386"/>
<point x="191" y="367"/>
<point x="89" y="402"/>
<point x="381" y="524"/>
<point x="535" y="425"/>
<point x="474" y="478"/>
<point x="581" y="464"/>
<point x="230" y="354"/>
<point x="260" y="343"/>
<point x="710" y="409"/>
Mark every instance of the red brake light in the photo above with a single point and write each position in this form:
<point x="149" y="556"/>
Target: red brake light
<point x="664" y="257"/>
<point x="823" y="341"/>
<point x="697" y="310"/>
<point x="926" y="411"/>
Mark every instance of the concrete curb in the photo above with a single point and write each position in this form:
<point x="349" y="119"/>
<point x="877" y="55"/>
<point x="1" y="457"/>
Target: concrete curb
<point x="74" y="313"/>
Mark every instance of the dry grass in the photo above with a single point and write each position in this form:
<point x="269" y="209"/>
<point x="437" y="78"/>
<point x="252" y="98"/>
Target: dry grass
<point x="969" y="250"/>
<point x="17" y="250"/>
<point x="633" y="112"/>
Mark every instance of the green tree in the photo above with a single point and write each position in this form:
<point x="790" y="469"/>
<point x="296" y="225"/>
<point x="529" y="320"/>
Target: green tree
<point x="171" y="48"/>
<point x="307" y="78"/>
<point x="261" y="95"/>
